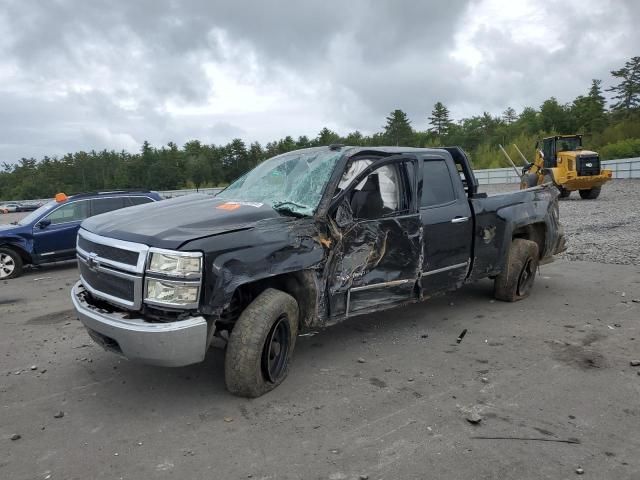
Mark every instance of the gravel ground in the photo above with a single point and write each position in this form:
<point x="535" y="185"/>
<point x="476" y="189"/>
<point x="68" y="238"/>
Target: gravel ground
<point x="606" y="230"/>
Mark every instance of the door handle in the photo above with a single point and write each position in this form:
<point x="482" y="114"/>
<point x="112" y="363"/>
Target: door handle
<point x="460" y="219"/>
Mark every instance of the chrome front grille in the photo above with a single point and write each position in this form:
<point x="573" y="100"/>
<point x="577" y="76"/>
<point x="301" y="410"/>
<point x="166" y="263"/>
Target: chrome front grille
<point x="112" y="269"/>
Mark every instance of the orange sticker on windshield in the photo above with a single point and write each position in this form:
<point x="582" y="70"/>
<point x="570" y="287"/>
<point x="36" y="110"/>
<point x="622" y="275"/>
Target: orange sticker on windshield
<point x="229" y="206"/>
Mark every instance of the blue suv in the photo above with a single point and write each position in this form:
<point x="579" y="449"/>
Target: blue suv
<point x="48" y="234"/>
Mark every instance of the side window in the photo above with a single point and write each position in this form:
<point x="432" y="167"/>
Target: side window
<point x="436" y="184"/>
<point x="104" y="205"/>
<point x="130" y="201"/>
<point x="380" y="194"/>
<point x="72" y="212"/>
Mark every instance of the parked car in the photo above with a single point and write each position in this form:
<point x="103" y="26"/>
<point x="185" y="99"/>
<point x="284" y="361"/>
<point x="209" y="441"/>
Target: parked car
<point x="28" y="207"/>
<point x="304" y="240"/>
<point x="48" y="234"/>
<point x="10" y="208"/>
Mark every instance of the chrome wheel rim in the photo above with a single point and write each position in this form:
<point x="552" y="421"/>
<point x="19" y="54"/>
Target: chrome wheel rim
<point x="7" y="265"/>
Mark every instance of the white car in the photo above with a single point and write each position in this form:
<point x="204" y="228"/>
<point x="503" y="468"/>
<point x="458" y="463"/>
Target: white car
<point x="9" y="208"/>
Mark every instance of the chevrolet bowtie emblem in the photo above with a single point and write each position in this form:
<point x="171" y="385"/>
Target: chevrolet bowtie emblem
<point x="92" y="261"/>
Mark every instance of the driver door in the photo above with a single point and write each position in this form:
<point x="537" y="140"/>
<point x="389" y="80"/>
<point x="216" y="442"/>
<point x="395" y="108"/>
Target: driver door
<point x="377" y="261"/>
<point x="54" y="236"/>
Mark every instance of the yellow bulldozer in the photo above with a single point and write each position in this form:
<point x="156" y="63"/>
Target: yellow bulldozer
<point x="561" y="159"/>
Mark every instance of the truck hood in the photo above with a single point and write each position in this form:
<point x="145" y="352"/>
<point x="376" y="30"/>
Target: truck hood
<point x="171" y="223"/>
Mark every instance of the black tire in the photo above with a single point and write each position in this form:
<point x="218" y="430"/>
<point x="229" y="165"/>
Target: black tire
<point x="590" y="194"/>
<point x="516" y="280"/>
<point x="265" y="332"/>
<point x="530" y="180"/>
<point x="564" y="193"/>
<point x="10" y="263"/>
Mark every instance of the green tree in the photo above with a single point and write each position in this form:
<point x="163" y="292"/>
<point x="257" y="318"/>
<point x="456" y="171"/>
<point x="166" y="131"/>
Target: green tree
<point x="509" y="116"/>
<point x="327" y="137"/>
<point x="398" y="129"/>
<point x="626" y="94"/>
<point x="439" y="119"/>
<point x="555" y="117"/>
<point x="589" y="111"/>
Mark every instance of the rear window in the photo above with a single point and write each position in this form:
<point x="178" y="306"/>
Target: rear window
<point x="130" y="201"/>
<point x="104" y="205"/>
<point x="436" y="185"/>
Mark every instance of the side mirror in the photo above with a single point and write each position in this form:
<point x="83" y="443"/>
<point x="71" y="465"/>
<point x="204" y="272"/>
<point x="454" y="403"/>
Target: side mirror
<point x="42" y="224"/>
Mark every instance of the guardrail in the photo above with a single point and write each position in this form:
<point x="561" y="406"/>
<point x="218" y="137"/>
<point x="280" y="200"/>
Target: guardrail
<point x="625" y="168"/>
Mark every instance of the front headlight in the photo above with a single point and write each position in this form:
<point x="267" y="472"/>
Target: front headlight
<point x="181" y="264"/>
<point x="173" y="279"/>
<point x="167" y="292"/>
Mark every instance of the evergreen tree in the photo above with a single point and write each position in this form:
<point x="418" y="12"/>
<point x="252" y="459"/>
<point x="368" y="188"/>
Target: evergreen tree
<point x="439" y="119"/>
<point x="509" y="116"/>
<point x="627" y="93"/>
<point x="589" y="110"/>
<point x="398" y="129"/>
<point x="327" y="137"/>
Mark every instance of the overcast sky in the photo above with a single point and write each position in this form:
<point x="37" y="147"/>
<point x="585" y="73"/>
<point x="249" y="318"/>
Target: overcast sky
<point x="81" y="75"/>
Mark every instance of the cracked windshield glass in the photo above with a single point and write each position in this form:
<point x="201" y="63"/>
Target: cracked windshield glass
<point x="290" y="183"/>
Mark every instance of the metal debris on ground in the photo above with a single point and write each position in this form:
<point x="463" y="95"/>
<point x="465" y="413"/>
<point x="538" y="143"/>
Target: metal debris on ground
<point x="59" y="415"/>
<point x="573" y="441"/>
<point x="461" y="336"/>
<point x="16" y="436"/>
<point x="635" y="363"/>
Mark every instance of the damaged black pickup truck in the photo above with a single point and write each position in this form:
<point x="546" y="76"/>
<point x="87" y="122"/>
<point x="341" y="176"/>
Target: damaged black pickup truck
<point x="304" y="240"/>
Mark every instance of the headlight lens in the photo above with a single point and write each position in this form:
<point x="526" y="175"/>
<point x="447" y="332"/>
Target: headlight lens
<point x="175" y="263"/>
<point x="167" y="292"/>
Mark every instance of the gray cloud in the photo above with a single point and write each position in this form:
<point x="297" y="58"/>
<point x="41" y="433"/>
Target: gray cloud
<point x="110" y="74"/>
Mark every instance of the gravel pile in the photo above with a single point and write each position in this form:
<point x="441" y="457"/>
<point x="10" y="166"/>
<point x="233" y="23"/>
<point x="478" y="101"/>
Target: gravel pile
<point x="605" y="230"/>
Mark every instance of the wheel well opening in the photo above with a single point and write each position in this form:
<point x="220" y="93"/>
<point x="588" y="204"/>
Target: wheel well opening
<point x="535" y="232"/>
<point x="300" y="285"/>
<point x="26" y="258"/>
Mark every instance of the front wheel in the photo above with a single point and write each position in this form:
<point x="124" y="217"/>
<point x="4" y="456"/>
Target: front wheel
<point x="516" y="280"/>
<point x="590" y="194"/>
<point x="10" y="264"/>
<point x="564" y="193"/>
<point x="261" y="343"/>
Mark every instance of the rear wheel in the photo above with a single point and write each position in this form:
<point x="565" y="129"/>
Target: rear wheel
<point x="590" y="194"/>
<point x="10" y="264"/>
<point x="564" y="193"/>
<point x="261" y="343"/>
<point x="516" y="280"/>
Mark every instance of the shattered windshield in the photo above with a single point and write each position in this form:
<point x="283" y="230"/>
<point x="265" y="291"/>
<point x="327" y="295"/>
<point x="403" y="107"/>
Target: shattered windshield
<point x="292" y="182"/>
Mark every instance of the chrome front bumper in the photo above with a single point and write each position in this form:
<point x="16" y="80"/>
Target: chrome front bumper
<point x="172" y="344"/>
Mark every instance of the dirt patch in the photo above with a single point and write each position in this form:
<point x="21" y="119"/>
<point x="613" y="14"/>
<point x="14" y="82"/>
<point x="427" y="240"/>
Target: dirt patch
<point x="10" y="301"/>
<point x="52" y="318"/>
<point x="376" y="382"/>
<point x="577" y="356"/>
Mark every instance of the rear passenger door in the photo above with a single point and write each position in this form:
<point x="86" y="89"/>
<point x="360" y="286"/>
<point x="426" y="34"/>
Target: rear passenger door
<point x="447" y="225"/>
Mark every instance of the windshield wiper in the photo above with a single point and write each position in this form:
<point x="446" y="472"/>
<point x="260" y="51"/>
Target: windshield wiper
<point x="286" y="205"/>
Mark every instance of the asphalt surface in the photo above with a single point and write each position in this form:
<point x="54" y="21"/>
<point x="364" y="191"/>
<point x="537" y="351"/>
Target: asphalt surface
<point x="550" y="376"/>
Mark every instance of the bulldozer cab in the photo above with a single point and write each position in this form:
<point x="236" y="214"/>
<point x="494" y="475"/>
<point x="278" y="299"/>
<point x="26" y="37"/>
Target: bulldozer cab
<point x="560" y="143"/>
